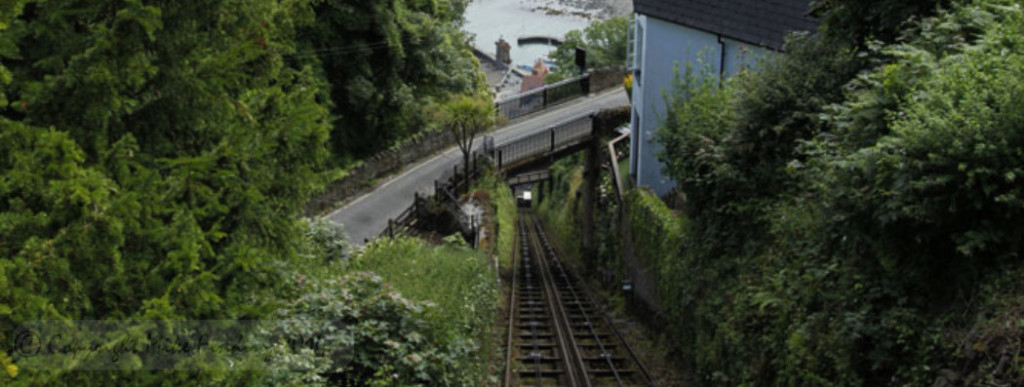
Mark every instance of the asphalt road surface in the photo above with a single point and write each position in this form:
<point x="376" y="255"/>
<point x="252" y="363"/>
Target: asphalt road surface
<point x="366" y="216"/>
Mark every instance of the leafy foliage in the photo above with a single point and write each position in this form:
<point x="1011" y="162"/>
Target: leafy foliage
<point x="377" y="317"/>
<point x="859" y="21"/>
<point x="153" y="165"/>
<point x="382" y="59"/>
<point x="849" y="208"/>
<point x="697" y="125"/>
<point x="465" y="117"/>
<point x="560" y="212"/>
<point x="183" y="153"/>
<point x="604" y="40"/>
<point x="561" y="208"/>
<point x="461" y="308"/>
<point x="937" y="186"/>
<point x="659" y="232"/>
<point x="380" y="336"/>
<point x="154" y="158"/>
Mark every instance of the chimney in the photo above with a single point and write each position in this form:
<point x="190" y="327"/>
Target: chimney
<point x="503" y="49"/>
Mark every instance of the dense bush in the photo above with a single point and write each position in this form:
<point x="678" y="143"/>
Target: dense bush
<point x="155" y="156"/>
<point x="462" y="306"/>
<point x="944" y="170"/>
<point x="151" y="165"/>
<point x="371" y="335"/>
<point x="850" y="211"/>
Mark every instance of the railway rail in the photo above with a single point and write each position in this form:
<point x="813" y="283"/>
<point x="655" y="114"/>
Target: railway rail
<point x="557" y="335"/>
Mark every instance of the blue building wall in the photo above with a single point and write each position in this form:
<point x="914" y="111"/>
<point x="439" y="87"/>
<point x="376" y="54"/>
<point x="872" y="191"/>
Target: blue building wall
<point x="661" y="47"/>
<point x="741" y="56"/>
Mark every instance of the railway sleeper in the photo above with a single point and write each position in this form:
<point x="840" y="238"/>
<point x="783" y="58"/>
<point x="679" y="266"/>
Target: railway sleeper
<point x="585" y="321"/>
<point x="606" y="373"/>
<point x="532" y="360"/>
<point x="595" y="362"/>
<point x="538" y="315"/>
<point x="528" y="335"/>
<point x="536" y="346"/>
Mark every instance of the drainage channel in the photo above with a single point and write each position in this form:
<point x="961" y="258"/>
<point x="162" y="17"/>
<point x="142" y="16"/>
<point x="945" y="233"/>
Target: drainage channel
<point x="557" y="336"/>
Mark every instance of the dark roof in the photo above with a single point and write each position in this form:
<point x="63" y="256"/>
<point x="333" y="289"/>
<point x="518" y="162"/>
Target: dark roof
<point x="761" y="22"/>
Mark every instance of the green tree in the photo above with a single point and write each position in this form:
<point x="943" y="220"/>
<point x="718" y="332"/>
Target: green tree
<point x="155" y="158"/>
<point x="464" y="117"/>
<point x="382" y="58"/>
<point x="847" y="204"/>
<point x="605" y="42"/>
<point x="858" y="21"/>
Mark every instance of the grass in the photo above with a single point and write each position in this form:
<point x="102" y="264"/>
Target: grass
<point x="505" y="214"/>
<point x="624" y="170"/>
<point x="456" y="280"/>
<point x="502" y="198"/>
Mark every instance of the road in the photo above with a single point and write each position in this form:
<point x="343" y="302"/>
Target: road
<point x="366" y="216"/>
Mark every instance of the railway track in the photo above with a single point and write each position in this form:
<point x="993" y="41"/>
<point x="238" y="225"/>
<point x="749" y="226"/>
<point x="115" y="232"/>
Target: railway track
<point x="557" y="336"/>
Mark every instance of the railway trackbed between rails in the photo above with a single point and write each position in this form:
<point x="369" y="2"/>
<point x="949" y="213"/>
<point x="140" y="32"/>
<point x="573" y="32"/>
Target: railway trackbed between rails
<point x="557" y="335"/>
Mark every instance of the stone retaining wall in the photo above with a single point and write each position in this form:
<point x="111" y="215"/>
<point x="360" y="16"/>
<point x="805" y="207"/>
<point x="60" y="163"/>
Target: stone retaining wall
<point x="379" y="165"/>
<point x="606" y="78"/>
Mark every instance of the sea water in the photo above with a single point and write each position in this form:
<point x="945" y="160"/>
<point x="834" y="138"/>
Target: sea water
<point x="490" y="20"/>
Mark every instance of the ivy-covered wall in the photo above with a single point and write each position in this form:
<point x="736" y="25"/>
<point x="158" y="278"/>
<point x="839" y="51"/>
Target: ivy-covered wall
<point x="655" y="237"/>
<point x="560" y="210"/>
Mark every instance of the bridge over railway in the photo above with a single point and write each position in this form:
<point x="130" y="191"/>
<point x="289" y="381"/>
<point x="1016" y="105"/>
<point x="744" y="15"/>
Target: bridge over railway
<point x="522" y="116"/>
<point x="525" y="159"/>
<point x="563" y="108"/>
<point x="543" y="147"/>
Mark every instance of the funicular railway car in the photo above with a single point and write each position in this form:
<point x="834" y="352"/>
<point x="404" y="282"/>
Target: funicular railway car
<point x="524" y="199"/>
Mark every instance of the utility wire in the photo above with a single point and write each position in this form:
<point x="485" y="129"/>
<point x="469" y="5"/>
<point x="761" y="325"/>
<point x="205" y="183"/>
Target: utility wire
<point x="348" y="49"/>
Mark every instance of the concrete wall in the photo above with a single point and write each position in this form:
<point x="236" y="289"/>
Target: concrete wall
<point x="661" y="48"/>
<point x="606" y="78"/>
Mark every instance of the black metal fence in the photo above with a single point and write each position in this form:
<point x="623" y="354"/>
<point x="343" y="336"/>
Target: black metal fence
<point x="547" y="141"/>
<point x="543" y="97"/>
<point x="453" y="183"/>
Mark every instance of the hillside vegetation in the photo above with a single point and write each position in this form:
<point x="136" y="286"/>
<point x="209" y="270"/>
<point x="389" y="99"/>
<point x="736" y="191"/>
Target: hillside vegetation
<point x="848" y="214"/>
<point x="853" y="210"/>
<point x="155" y="157"/>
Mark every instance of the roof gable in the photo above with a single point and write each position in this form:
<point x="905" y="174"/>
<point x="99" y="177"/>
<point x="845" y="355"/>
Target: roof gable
<point x="761" y="22"/>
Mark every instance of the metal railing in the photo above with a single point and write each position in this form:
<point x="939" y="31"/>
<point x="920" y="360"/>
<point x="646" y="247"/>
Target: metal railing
<point x="453" y="182"/>
<point x="541" y="98"/>
<point x="547" y="141"/>
<point x="613" y="151"/>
